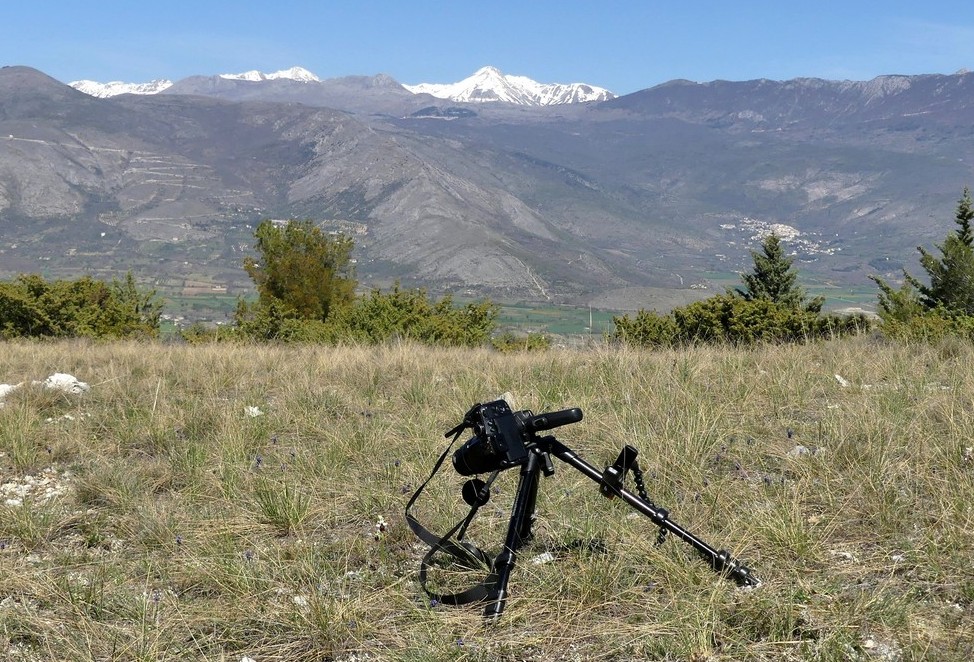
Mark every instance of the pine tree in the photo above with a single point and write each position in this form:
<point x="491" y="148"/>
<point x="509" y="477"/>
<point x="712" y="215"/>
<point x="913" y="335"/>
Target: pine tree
<point x="952" y="273"/>
<point x="964" y="216"/>
<point x="774" y="278"/>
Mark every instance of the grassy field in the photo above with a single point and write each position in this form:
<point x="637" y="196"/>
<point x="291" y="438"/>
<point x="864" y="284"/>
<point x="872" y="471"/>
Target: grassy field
<point x="227" y="503"/>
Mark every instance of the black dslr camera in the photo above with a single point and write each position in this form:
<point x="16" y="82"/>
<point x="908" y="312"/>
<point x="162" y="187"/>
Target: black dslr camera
<point x="502" y="437"/>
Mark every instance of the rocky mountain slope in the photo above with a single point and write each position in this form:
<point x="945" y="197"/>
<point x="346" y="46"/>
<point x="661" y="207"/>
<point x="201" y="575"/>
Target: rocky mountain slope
<point x="665" y="188"/>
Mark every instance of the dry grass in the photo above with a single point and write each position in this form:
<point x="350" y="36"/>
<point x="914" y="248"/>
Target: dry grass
<point x="178" y="527"/>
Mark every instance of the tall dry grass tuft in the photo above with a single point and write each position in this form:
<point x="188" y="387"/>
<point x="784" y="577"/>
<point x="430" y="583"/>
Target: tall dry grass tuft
<point x="215" y="502"/>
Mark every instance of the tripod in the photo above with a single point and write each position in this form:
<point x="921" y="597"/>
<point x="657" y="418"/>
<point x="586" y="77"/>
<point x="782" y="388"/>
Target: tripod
<point x="504" y="439"/>
<point x="610" y="484"/>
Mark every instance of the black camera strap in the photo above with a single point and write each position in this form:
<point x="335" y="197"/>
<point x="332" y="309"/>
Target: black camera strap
<point x="466" y="553"/>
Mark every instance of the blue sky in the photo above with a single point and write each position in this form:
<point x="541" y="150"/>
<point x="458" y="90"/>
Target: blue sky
<point x="624" y="45"/>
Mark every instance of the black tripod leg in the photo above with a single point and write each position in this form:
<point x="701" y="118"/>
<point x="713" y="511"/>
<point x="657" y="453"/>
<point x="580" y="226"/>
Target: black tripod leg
<point x="524" y="532"/>
<point x="720" y="560"/>
<point x="518" y="531"/>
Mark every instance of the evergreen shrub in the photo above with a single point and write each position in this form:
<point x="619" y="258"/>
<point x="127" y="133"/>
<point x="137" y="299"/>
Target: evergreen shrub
<point x="33" y="307"/>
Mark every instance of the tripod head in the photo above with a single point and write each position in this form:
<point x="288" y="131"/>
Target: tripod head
<point x="502" y="438"/>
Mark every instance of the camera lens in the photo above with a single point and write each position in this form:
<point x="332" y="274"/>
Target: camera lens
<point x="477" y="456"/>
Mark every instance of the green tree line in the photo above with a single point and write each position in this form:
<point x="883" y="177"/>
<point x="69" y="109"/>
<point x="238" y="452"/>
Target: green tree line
<point x="770" y="307"/>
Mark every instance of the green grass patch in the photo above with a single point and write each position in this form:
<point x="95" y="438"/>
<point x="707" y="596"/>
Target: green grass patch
<point x="558" y="320"/>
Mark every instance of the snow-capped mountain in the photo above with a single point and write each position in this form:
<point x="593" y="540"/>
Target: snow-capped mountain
<point x="294" y="73"/>
<point x="103" y="90"/>
<point x="489" y="84"/>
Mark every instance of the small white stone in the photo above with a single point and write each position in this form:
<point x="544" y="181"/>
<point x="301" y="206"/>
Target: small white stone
<point x="541" y="559"/>
<point x="66" y="383"/>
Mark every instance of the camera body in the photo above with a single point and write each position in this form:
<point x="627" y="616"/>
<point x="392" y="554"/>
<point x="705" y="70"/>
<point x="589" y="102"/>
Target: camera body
<point x="502" y="438"/>
<point x="498" y="442"/>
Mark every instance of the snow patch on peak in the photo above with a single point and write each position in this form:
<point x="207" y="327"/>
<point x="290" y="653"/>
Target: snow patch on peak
<point x="299" y="74"/>
<point x="490" y="84"/>
<point x="253" y="75"/>
<point x="114" y="88"/>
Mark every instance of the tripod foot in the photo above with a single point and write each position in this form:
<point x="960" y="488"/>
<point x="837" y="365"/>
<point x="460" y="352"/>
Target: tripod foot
<point x="724" y="563"/>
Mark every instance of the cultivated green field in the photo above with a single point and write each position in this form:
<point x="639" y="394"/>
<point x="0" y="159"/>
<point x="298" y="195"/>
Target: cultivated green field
<point x="158" y="517"/>
<point x="523" y="317"/>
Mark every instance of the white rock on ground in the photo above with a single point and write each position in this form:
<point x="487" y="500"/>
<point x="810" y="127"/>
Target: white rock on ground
<point x="66" y="383"/>
<point x="7" y="389"/>
<point x="59" y="380"/>
<point x="48" y="484"/>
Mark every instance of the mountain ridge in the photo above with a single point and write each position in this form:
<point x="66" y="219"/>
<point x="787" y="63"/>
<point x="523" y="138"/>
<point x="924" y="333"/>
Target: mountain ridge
<point x="663" y="189"/>
<point x="299" y="74"/>
<point x="486" y="84"/>
<point x="114" y="88"/>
